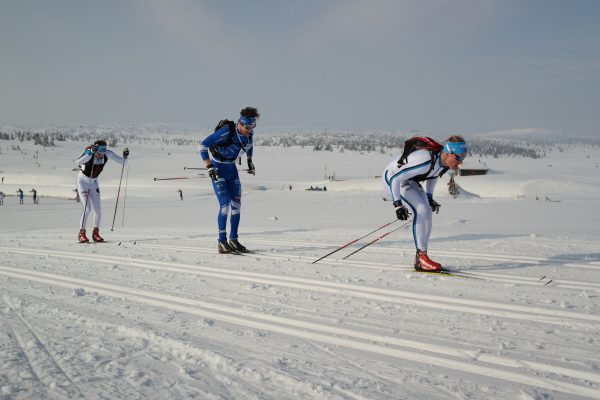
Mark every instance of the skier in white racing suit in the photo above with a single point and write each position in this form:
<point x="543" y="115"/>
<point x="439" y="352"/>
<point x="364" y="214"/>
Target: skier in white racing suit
<point x="91" y="164"/>
<point x="403" y="182"/>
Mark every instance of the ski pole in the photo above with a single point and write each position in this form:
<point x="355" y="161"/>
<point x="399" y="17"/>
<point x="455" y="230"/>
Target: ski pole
<point x="87" y="198"/>
<point x="125" y="196"/>
<point x="354" y="241"/>
<point x="193" y="168"/>
<point x="179" y="177"/>
<point x="376" y="240"/>
<point x="118" y="193"/>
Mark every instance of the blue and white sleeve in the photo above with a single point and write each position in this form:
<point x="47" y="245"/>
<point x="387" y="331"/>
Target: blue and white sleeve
<point x="250" y="150"/>
<point x="218" y="137"/>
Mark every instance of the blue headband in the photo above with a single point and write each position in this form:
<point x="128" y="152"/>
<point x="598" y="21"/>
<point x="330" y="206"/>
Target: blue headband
<point x="455" y="148"/>
<point x="248" y="121"/>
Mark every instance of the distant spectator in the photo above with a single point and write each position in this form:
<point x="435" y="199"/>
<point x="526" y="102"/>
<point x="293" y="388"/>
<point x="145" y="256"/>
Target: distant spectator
<point x="20" y="194"/>
<point x="180" y="194"/>
<point x="35" y="198"/>
<point x="1" y="198"/>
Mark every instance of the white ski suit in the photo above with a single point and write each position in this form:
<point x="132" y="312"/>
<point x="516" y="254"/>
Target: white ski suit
<point x="404" y="183"/>
<point x="87" y="184"/>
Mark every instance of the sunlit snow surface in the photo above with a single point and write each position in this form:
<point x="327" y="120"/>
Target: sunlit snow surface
<point x="156" y="313"/>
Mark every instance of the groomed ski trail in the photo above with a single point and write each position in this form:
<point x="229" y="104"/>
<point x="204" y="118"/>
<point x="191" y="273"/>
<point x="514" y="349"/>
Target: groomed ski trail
<point x="500" y="310"/>
<point x="516" y="371"/>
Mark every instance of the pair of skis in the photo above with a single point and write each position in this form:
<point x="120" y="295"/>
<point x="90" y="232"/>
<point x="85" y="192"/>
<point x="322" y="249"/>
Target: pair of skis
<point x="444" y="271"/>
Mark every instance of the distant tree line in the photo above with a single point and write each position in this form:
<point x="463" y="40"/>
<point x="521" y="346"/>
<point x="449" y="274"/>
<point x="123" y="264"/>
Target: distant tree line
<point x="394" y="142"/>
<point x="113" y="136"/>
<point x="317" y="140"/>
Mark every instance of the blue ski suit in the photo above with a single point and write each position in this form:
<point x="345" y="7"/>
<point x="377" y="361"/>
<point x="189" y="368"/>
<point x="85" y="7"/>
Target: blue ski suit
<point x="225" y="148"/>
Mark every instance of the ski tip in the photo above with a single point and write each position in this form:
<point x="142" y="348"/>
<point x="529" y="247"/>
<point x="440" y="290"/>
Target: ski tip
<point x="155" y="179"/>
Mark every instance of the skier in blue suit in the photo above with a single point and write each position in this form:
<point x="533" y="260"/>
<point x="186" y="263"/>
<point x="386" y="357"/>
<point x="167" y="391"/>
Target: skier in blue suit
<point x="225" y="146"/>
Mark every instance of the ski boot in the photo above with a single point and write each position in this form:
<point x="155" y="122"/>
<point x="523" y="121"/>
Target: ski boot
<point x="96" y="235"/>
<point x="224" y="248"/>
<point x="82" y="237"/>
<point x="237" y="246"/>
<point x="423" y="263"/>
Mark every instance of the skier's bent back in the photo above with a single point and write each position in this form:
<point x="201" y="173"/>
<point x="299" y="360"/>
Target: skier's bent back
<point x="402" y="178"/>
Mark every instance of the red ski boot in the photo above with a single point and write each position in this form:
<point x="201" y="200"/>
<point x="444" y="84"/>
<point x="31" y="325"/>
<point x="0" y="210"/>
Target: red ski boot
<point x="82" y="237"/>
<point x="423" y="263"/>
<point x="96" y="235"/>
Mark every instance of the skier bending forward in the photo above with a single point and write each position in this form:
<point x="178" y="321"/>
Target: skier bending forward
<point x="403" y="181"/>
<point x="91" y="163"/>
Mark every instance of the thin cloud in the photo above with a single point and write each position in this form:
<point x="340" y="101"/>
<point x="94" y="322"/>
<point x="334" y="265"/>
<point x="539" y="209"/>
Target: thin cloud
<point x="195" y="25"/>
<point x="406" y="21"/>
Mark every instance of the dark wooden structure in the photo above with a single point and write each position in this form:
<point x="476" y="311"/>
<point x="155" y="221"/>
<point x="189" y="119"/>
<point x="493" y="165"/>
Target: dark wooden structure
<point x="472" y="171"/>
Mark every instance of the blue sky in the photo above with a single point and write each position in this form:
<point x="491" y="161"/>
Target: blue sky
<point x="443" y="66"/>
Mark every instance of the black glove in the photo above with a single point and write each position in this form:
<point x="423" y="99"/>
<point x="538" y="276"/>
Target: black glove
<point x="125" y="152"/>
<point x="212" y="172"/>
<point x="435" y="206"/>
<point x="251" y="169"/>
<point x="401" y="211"/>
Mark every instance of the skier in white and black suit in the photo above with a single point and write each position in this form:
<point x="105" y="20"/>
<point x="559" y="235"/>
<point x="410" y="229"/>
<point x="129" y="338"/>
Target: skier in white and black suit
<point x="91" y="163"/>
<point x="402" y="178"/>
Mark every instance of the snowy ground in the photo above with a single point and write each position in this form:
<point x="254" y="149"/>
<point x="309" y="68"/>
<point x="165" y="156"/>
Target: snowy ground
<point x="155" y="313"/>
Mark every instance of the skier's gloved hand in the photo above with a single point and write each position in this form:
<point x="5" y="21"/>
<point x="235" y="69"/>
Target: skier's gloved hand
<point x="125" y="152"/>
<point x="212" y="172"/>
<point x="435" y="206"/>
<point x="251" y="169"/>
<point x="94" y="149"/>
<point x="401" y="211"/>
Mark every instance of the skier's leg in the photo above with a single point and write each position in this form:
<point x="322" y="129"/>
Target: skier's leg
<point x="95" y="202"/>
<point x="220" y="187"/>
<point x="414" y="197"/>
<point x="236" y="205"/>
<point x="83" y="186"/>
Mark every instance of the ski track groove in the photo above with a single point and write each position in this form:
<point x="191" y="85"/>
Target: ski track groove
<point x="323" y="333"/>
<point x="519" y="312"/>
<point x="532" y="260"/>
<point x="522" y="280"/>
<point x="456" y="254"/>
<point x="307" y="313"/>
<point x="173" y="326"/>
<point x="42" y="363"/>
